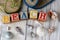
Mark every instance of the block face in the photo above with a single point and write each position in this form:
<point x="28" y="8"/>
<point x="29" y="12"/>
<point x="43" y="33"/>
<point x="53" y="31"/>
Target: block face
<point x="6" y="19"/>
<point x="33" y="14"/>
<point x="14" y="17"/>
<point x="23" y="15"/>
<point x="42" y="16"/>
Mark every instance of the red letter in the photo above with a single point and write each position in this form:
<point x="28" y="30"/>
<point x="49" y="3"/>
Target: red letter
<point x="42" y="16"/>
<point x="14" y="17"/>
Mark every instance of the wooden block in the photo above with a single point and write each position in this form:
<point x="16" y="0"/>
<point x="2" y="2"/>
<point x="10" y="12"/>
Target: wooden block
<point x="42" y="16"/>
<point x="23" y="15"/>
<point x="6" y="19"/>
<point x="14" y="17"/>
<point x="33" y="14"/>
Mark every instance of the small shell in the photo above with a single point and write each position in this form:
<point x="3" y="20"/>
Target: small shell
<point x="54" y="16"/>
<point x="52" y="29"/>
<point x="9" y="35"/>
<point x="40" y="31"/>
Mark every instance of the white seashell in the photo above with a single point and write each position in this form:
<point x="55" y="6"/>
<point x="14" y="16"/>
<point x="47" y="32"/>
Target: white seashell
<point x="54" y="21"/>
<point x="40" y="32"/>
<point x="54" y="16"/>
<point x="9" y="35"/>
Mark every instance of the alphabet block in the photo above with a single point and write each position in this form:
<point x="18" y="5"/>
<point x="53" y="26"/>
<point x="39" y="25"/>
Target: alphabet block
<point x="14" y="17"/>
<point x="42" y="16"/>
<point x="6" y="19"/>
<point x="23" y="15"/>
<point x="33" y="14"/>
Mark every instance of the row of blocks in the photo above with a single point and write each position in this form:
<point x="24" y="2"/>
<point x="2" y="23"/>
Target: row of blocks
<point x="33" y="14"/>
